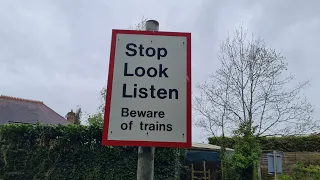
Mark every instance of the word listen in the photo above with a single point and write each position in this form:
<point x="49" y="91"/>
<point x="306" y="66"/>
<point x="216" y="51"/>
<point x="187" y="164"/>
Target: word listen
<point x="159" y="71"/>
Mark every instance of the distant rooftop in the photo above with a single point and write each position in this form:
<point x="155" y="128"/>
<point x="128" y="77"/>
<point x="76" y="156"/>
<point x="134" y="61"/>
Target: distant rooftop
<point x="26" y="111"/>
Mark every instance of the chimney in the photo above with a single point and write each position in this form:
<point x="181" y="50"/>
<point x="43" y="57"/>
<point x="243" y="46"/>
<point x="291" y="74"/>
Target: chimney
<point x="71" y="116"/>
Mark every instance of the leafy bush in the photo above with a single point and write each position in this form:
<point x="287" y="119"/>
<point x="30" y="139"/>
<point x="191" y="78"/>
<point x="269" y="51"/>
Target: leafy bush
<point x="287" y="144"/>
<point x="284" y="177"/>
<point x="73" y="152"/>
<point x="302" y="172"/>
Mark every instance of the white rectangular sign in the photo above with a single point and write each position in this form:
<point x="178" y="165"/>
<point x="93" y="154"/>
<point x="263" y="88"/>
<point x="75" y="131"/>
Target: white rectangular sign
<point x="149" y="90"/>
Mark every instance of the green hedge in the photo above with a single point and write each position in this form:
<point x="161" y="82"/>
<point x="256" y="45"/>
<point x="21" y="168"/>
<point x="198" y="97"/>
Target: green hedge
<point x="287" y="144"/>
<point x="73" y="152"/>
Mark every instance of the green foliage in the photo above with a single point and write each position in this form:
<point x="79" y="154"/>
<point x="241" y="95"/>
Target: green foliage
<point x="185" y="173"/>
<point x="242" y="164"/>
<point x="96" y="120"/>
<point x="287" y="144"/>
<point x="78" y="116"/>
<point x="228" y="168"/>
<point x="302" y="172"/>
<point x="73" y="152"/>
<point x="284" y="177"/>
<point x="247" y="153"/>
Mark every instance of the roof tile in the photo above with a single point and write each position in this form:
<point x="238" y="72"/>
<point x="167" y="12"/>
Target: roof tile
<point x="19" y="110"/>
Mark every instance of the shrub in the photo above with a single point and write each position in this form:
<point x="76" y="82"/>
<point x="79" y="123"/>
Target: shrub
<point x="73" y="152"/>
<point x="287" y="144"/>
<point x="302" y="172"/>
<point x="284" y="177"/>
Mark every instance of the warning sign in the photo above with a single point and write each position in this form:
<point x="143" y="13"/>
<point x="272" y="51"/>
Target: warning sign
<point x="149" y="90"/>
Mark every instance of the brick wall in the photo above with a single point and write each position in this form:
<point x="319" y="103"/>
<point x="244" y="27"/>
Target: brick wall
<point x="288" y="162"/>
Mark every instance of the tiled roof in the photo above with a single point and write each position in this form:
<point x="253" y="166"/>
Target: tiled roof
<point x="18" y="110"/>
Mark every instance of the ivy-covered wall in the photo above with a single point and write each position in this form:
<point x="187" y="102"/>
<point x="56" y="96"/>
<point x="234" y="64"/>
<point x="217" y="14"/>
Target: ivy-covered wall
<point x="286" y="144"/>
<point x="73" y="152"/>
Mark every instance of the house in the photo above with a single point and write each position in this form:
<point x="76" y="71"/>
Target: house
<point x="18" y="110"/>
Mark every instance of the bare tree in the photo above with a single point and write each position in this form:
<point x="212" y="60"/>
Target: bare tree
<point x="251" y="89"/>
<point x="141" y="25"/>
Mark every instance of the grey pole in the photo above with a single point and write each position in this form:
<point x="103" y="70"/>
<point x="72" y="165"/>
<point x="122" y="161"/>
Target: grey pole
<point x="145" y="169"/>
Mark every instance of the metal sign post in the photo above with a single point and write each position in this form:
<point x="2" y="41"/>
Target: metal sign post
<point x="145" y="169"/>
<point x="148" y="100"/>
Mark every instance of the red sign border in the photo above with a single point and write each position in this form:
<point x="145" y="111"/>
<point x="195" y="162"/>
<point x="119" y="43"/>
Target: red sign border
<point x="105" y="141"/>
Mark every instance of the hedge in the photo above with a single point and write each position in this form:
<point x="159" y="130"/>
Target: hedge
<point x="73" y="152"/>
<point x="286" y="144"/>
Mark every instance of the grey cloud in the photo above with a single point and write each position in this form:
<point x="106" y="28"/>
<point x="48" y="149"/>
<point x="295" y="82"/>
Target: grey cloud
<point x="57" y="51"/>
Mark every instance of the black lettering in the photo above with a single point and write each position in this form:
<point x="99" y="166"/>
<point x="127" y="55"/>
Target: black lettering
<point x="162" y="52"/>
<point x="136" y="71"/>
<point x="131" y="49"/>
<point x="162" y="127"/>
<point x="162" y="93"/>
<point x="162" y="71"/>
<point x="171" y="91"/>
<point x="153" y="52"/>
<point x="140" y="71"/>
<point x="155" y="72"/>
<point x="152" y="89"/>
<point x="143" y="93"/>
<point x="151" y="127"/>
<point x="152" y="92"/>
<point x="124" y="112"/>
<point x="126" y="70"/>
<point x="124" y="126"/>
<point x="141" y="113"/>
<point x="149" y="114"/>
<point x="141" y="48"/>
<point x="161" y="114"/>
<point x="146" y="126"/>
<point x="124" y="90"/>
<point x="134" y="90"/>
<point x="155" y="126"/>
<point x="132" y="113"/>
<point x="150" y="51"/>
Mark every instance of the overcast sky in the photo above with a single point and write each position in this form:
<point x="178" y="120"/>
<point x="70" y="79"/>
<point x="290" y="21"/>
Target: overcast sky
<point x="57" y="51"/>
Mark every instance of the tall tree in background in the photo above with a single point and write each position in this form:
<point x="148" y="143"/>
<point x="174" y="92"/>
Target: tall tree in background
<point x="249" y="96"/>
<point x="97" y="118"/>
<point x="250" y="90"/>
<point x="78" y="116"/>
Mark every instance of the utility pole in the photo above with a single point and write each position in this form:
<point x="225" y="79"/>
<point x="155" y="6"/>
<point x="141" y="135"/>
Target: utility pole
<point x="145" y="169"/>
